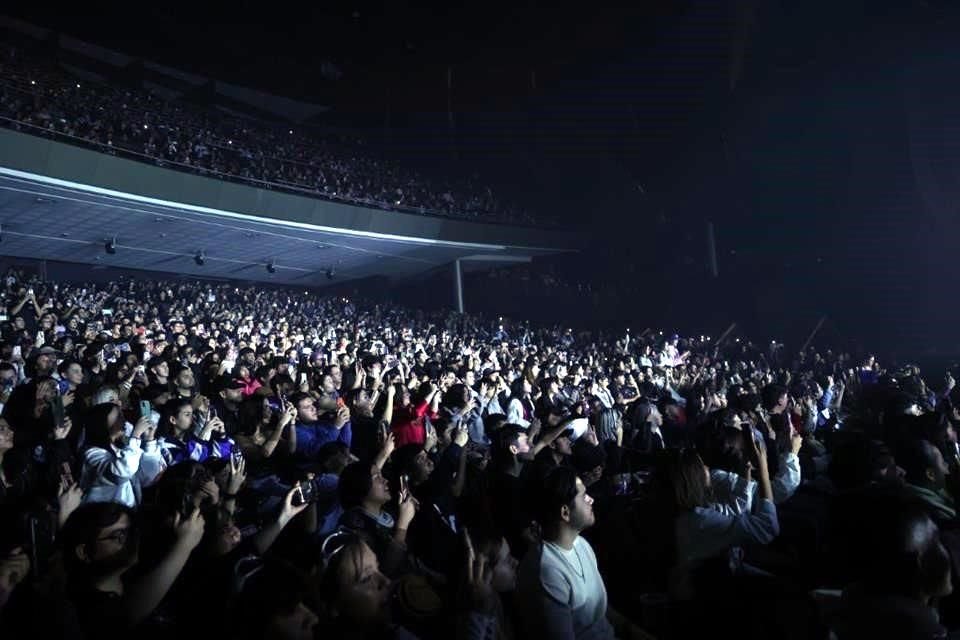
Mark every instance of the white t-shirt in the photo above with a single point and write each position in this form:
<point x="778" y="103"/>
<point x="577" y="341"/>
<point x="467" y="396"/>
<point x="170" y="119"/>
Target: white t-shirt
<point x="555" y="580"/>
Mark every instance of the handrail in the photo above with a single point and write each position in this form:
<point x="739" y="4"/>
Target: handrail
<point x="272" y="185"/>
<point x="268" y="184"/>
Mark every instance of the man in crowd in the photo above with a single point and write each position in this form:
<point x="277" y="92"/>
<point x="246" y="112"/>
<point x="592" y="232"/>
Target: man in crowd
<point x="560" y="585"/>
<point x="312" y="433"/>
<point x="456" y="468"/>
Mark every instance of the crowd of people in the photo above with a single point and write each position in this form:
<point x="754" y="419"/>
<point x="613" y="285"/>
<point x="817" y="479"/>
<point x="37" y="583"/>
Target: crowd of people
<point x="180" y="458"/>
<point x="39" y="97"/>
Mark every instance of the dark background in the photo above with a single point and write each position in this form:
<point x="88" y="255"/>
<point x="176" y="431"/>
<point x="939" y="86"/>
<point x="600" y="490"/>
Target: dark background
<point x="820" y="138"/>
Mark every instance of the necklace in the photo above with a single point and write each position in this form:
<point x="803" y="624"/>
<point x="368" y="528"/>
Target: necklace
<point x="560" y="551"/>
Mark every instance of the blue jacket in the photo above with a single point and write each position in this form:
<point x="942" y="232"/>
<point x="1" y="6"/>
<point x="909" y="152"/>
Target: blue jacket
<point x="310" y="437"/>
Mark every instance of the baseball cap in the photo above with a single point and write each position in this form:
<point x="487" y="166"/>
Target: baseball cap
<point x="224" y="383"/>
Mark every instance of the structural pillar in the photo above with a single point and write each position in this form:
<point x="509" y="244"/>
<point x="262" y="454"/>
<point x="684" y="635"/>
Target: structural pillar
<point x="458" y="285"/>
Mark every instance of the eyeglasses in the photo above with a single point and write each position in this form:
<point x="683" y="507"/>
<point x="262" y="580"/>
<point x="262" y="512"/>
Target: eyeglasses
<point x="118" y="536"/>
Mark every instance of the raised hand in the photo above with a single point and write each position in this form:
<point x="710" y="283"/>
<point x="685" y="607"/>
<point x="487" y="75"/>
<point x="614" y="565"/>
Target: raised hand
<point x="389" y="443"/>
<point x="290" y="510"/>
<point x="407" y="509"/>
<point x="189" y="529"/>
<point x="796" y="442"/>
<point x="238" y="475"/>
<point x="13" y="569"/>
<point x="69" y="495"/>
<point x="343" y="417"/>
<point x="478" y="585"/>
<point x="62" y="431"/>
<point x="461" y="436"/>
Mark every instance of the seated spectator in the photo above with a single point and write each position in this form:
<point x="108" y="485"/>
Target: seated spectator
<point x="262" y="429"/>
<point x="100" y="546"/>
<point x="520" y="410"/>
<point x="272" y="604"/>
<point x="117" y="466"/>
<point x="925" y="473"/>
<point x="408" y="417"/>
<point x="311" y="433"/>
<point x="226" y="401"/>
<point x="903" y="568"/>
<point x="356" y="594"/>
<point x="562" y="593"/>
<point x="704" y="532"/>
<point x="364" y="494"/>
<point x="180" y="441"/>
<point x="368" y="428"/>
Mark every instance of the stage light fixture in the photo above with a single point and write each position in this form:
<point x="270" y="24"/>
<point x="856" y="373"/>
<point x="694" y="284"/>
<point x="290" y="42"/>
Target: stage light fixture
<point x="111" y="246"/>
<point x="200" y="258"/>
<point x="271" y="267"/>
<point x="330" y="273"/>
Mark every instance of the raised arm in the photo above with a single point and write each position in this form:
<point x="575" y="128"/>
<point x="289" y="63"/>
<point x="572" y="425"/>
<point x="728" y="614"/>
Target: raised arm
<point x="265" y="538"/>
<point x="287" y="419"/>
<point x="144" y="595"/>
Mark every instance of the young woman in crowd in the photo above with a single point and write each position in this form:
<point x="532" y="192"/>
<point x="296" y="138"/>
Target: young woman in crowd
<point x="117" y="466"/>
<point x="710" y="524"/>
<point x="703" y="530"/>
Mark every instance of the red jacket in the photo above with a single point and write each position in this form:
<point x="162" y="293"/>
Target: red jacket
<point x="408" y="426"/>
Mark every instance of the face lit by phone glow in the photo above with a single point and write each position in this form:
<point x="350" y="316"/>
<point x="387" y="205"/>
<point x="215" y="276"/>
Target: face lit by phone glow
<point x="379" y="488"/>
<point x="74" y="374"/>
<point x="306" y="410"/>
<point x="364" y="592"/>
<point x="115" y="423"/>
<point x="422" y="467"/>
<point x="522" y="445"/>
<point x="111" y="541"/>
<point x="183" y="419"/>
<point x="185" y="379"/>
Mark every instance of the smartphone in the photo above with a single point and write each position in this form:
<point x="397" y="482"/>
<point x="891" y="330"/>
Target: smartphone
<point x="236" y="455"/>
<point x="340" y="402"/>
<point x="186" y="505"/>
<point x="145" y="408"/>
<point x="17" y="351"/>
<point x="303" y="379"/>
<point x="404" y="483"/>
<point x="107" y="312"/>
<point x="63" y="386"/>
<point x="56" y="407"/>
<point x="305" y="494"/>
<point x="66" y="473"/>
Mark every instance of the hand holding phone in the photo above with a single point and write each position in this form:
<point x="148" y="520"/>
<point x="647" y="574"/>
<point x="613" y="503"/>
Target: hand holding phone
<point x="305" y="493"/>
<point x="56" y="408"/>
<point x="66" y="474"/>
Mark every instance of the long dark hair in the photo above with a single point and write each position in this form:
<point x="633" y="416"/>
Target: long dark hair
<point x="98" y="425"/>
<point x="682" y="480"/>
